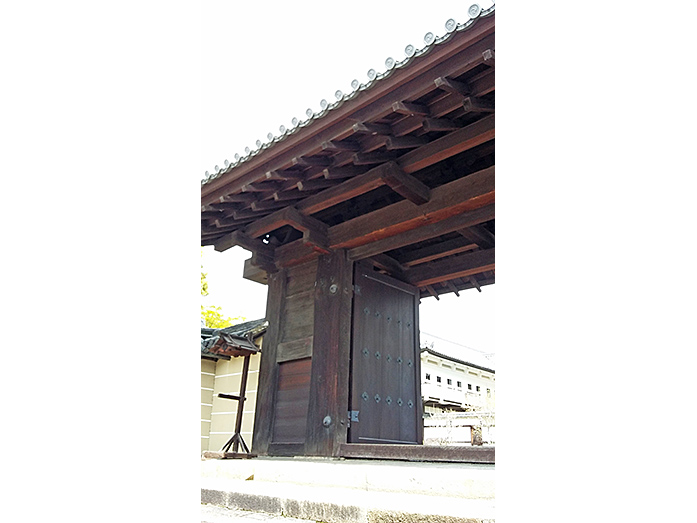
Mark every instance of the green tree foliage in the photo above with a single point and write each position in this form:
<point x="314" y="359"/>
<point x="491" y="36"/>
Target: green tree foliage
<point x="211" y="315"/>
<point x="215" y="319"/>
<point x="204" y="283"/>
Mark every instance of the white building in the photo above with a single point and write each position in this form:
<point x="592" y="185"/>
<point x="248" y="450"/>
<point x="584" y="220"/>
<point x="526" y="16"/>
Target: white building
<point x="459" y="398"/>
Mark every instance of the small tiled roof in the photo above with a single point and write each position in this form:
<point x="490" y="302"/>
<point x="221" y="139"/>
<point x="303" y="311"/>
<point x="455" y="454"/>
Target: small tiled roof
<point x="241" y="332"/>
<point x="430" y="40"/>
<point x="456" y="360"/>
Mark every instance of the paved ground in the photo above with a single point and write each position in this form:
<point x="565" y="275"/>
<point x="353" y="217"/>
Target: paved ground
<point x="214" y="514"/>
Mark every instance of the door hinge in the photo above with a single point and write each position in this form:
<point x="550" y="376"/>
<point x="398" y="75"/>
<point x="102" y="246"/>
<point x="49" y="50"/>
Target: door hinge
<point x="352" y="416"/>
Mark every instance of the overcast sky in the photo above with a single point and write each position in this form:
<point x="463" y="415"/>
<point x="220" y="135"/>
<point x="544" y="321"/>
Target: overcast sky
<point x="261" y="68"/>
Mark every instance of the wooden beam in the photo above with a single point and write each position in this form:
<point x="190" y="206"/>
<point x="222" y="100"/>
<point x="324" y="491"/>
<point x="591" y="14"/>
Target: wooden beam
<point x="452" y="86"/>
<point x="236" y="238"/>
<point x="410" y="109"/>
<point x="423" y="233"/>
<point x="459" y="266"/>
<point x="436" y="251"/>
<point x="404" y="142"/>
<point x="479" y="235"/>
<point x="432" y="292"/>
<point x="477" y="105"/>
<point x="373" y="157"/>
<point x="340" y="146"/>
<point x="405" y="185"/>
<point x="439" y="124"/>
<point x="389" y="264"/>
<point x="312" y="161"/>
<point x="449" y="145"/>
<point x="314" y="185"/>
<point x="344" y="191"/>
<point x="450" y="285"/>
<point x="372" y="128"/>
<point x="335" y="173"/>
<point x="464" y="194"/>
<point x="489" y="56"/>
<point x="474" y="282"/>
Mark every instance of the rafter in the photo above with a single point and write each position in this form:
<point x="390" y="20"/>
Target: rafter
<point x="459" y="266"/>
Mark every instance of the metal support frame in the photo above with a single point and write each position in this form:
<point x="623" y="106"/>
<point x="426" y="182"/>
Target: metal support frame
<point x="237" y="438"/>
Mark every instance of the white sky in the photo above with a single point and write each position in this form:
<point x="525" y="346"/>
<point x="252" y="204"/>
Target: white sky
<point x="262" y="67"/>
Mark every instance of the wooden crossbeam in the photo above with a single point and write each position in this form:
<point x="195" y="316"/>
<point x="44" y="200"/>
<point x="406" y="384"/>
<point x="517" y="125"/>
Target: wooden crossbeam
<point x="410" y="108"/>
<point x="439" y="124"/>
<point x="373" y="157"/>
<point x="335" y="173"/>
<point x="312" y="161"/>
<point x="432" y="292"/>
<point x="340" y="146"/>
<point x="423" y="233"/>
<point x="372" y="128"/>
<point x="479" y="235"/>
<point x="404" y="142"/>
<point x="452" y="86"/>
<point x="464" y="194"/>
<point x="314" y="185"/>
<point x="405" y="185"/>
<point x="449" y="145"/>
<point x="245" y="241"/>
<point x="489" y="56"/>
<point x="474" y="282"/>
<point x="407" y="125"/>
<point x="477" y="105"/>
<point x="437" y="251"/>
<point x="314" y="231"/>
<point x="459" y="266"/>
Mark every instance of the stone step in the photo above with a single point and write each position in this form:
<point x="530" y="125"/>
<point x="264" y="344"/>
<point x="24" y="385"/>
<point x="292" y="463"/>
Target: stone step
<point x="449" y="480"/>
<point x="343" y="505"/>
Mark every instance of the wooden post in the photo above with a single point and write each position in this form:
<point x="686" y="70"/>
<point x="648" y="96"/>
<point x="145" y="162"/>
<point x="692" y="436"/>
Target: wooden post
<point x="327" y="423"/>
<point x="268" y="372"/>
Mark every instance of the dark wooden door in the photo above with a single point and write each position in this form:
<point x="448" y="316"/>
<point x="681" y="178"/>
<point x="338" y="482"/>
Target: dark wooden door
<point x="385" y="367"/>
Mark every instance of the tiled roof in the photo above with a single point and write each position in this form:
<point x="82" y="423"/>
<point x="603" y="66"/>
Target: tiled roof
<point x="253" y="329"/>
<point x="430" y="41"/>
<point x="456" y="360"/>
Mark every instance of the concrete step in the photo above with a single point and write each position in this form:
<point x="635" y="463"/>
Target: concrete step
<point x="461" y="480"/>
<point x="347" y="491"/>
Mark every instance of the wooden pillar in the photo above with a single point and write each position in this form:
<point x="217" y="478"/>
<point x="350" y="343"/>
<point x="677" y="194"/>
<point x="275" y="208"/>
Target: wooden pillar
<point x="329" y="386"/>
<point x="268" y="369"/>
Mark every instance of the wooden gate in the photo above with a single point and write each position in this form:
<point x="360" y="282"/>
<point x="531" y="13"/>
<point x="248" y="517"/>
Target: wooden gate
<point x="385" y="400"/>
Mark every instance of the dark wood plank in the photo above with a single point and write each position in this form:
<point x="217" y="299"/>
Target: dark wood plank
<point x="292" y="401"/>
<point x="479" y="235"/>
<point x="295" y="350"/>
<point x="327" y="426"/>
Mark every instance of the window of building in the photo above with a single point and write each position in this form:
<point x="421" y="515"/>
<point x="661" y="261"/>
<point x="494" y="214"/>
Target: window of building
<point x="459" y="384"/>
<point x="438" y="379"/>
<point x="469" y="386"/>
<point x="488" y="393"/>
<point x="428" y="376"/>
<point x="450" y="382"/>
<point x="477" y="388"/>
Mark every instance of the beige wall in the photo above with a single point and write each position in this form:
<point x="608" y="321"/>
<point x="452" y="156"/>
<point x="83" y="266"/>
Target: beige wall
<point x="207" y="385"/>
<point x="218" y="415"/>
